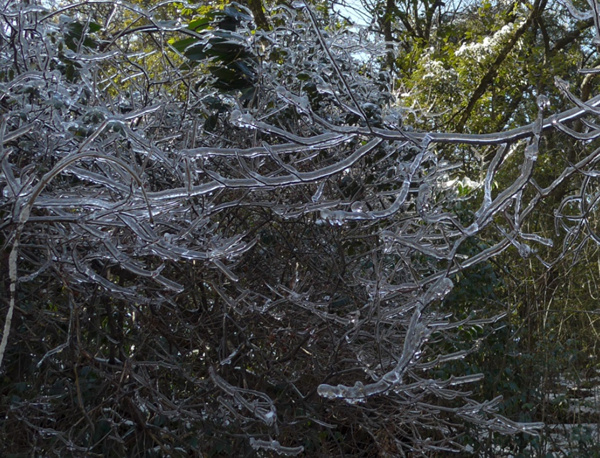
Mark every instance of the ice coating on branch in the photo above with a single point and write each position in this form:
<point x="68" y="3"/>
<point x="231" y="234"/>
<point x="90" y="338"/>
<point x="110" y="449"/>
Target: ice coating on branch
<point x="424" y="198"/>
<point x="319" y="192"/>
<point x="531" y="151"/>
<point x="275" y="446"/>
<point x="300" y="102"/>
<point x="525" y="250"/>
<point x="543" y="102"/>
<point x="416" y="335"/>
<point x="239" y="119"/>
<point x="440" y="290"/>
<point x="217" y="196"/>
<point x="333" y="217"/>
<point x="358" y="207"/>
<point x="578" y="14"/>
<point x="257" y="403"/>
<point x="298" y="4"/>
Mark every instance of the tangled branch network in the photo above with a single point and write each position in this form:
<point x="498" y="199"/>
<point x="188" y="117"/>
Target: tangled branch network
<point x="248" y="229"/>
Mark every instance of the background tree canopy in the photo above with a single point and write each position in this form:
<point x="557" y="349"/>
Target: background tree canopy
<point x="274" y="229"/>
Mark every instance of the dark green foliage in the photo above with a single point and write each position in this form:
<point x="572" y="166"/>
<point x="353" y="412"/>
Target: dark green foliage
<point x="224" y="52"/>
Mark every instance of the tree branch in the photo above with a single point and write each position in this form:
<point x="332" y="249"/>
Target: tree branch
<point x="488" y="78"/>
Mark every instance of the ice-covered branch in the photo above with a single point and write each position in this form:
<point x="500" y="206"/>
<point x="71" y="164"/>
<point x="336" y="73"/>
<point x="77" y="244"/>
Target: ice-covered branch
<point x="207" y="195"/>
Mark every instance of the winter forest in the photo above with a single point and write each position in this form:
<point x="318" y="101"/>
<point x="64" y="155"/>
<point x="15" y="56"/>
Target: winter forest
<point x="317" y="228"/>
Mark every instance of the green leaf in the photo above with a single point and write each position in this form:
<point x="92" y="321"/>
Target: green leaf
<point x="202" y="23"/>
<point x="182" y="45"/>
<point x="76" y="34"/>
